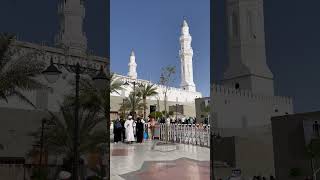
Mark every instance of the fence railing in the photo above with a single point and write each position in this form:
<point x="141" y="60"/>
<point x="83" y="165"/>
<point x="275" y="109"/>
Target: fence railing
<point x="186" y="134"/>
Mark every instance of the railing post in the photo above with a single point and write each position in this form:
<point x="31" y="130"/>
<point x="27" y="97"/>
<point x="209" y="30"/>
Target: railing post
<point x="188" y="127"/>
<point x="192" y="134"/>
<point x="179" y="135"/>
<point x="187" y="135"/>
<point x="160" y="132"/>
<point x="184" y="134"/>
<point x="174" y="132"/>
<point x="171" y="132"/>
<point x="197" y="135"/>
<point x="202" y="135"/>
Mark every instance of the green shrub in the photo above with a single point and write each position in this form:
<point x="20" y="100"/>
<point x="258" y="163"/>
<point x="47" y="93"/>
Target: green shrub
<point x="156" y="114"/>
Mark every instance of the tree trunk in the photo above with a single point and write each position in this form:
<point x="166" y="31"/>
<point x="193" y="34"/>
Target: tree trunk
<point x="165" y="102"/>
<point x="144" y="107"/>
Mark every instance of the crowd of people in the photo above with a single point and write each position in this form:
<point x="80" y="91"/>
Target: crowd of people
<point x="131" y="130"/>
<point x="135" y="130"/>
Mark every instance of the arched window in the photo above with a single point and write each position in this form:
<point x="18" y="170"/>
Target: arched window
<point x="235" y="25"/>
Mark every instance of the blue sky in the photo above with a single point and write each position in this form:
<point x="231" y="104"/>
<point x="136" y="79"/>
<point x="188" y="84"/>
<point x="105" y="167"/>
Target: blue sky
<point x="152" y="29"/>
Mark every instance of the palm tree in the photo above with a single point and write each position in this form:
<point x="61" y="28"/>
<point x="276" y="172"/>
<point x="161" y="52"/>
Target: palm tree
<point x="18" y="74"/>
<point x="115" y="85"/>
<point x="92" y="97"/>
<point x="166" y="79"/>
<point x="134" y="102"/>
<point x="59" y="137"/>
<point x="145" y="91"/>
<point x="124" y="107"/>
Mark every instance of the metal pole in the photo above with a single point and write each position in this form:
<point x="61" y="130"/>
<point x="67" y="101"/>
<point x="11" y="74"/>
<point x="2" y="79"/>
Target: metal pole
<point x="41" y="143"/>
<point x="134" y="99"/>
<point x="75" y="174"/>
<point x="176" y="113"/>
<point x="124" y="111"/>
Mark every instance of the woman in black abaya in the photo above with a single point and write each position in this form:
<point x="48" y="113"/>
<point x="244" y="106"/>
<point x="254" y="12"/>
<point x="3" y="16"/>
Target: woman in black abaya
<point x="139" y="131"/>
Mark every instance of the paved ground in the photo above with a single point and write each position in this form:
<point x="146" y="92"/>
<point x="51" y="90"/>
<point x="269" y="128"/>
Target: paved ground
<point x="150" y="161"/>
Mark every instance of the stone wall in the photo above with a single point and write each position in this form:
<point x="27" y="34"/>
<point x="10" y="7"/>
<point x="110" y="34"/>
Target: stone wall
<point x="290" y="145"/>
<point x="200" y="104"/>
<point x="251" y="151"/>
<point x="241" y="108"/>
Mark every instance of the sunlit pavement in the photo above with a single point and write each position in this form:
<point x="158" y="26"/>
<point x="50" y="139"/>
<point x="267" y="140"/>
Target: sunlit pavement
<point x="144" y="162"/>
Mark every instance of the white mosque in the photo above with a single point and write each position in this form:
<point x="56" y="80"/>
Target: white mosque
<point x="185" y="94"/>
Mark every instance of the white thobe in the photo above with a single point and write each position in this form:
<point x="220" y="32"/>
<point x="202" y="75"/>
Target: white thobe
<point x="129" y="130"/>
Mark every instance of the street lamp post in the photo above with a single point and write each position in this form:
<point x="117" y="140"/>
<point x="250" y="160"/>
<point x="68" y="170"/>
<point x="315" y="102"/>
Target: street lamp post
<point x="52" y="75"/>
<point x="176" y="109"/>
<point x="123" y="111"/>
<point x="134" y="97"/>
<point x="43" y="123"/>
<point x="134" y="100"/>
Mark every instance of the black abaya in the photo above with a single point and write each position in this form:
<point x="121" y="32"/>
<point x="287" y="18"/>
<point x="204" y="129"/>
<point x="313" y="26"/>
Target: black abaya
<point x="139" y="130"/>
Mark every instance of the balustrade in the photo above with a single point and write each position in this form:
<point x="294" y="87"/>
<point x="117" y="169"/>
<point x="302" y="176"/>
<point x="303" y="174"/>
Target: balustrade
<point x="186" y="134"/>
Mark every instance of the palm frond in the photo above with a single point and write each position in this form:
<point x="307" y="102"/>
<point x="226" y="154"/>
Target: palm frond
<point x="5" y="42"/>
<point x="116" y="85"/>
<point x="18" y="72"/>
<point x="23" y="98"/>
<point x="59" y="138"/>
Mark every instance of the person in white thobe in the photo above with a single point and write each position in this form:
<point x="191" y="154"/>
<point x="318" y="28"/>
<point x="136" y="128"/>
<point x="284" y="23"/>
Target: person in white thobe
<point x="129" y="129"/>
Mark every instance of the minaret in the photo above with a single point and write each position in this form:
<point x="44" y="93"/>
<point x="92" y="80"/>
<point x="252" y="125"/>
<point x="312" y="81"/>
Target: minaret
<point x="186" y="54"/>
<point x="247" y="68"/>
<point x="71" y="35"/>
<point x="132" y="66"/>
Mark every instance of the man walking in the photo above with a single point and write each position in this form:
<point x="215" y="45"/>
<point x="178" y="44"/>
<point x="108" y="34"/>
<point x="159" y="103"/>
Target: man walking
<point x="129" y="130"/>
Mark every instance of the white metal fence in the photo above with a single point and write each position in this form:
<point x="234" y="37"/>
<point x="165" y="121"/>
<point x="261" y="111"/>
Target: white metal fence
<point x="186" y="134"/>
